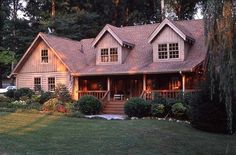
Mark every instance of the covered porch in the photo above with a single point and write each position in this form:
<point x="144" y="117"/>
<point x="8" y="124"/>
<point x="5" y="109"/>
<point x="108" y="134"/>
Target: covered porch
<point x="123" y="87"/>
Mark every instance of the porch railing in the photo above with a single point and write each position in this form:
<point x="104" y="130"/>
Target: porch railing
<point x="100" y="94"/>
<point x="175" y="94"/>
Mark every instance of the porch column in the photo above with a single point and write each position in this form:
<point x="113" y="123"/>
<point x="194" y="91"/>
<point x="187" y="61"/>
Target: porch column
<point x="75" y="88"/>
<point x="109" y="89"/>
<point x="144" y="81"/>
<point x="144" y="85"/>
<point x="183" y="83"/>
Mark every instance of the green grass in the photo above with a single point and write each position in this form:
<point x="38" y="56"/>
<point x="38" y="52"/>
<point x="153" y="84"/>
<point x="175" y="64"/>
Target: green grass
<point x="22" y="133"/>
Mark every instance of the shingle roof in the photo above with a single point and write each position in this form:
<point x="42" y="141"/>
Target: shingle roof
<point x="80" y="56"/>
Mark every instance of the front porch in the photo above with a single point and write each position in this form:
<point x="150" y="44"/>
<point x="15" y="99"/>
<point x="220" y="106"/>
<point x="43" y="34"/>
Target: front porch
<point x="124" y="87"/>
<point x="113" y="91"/>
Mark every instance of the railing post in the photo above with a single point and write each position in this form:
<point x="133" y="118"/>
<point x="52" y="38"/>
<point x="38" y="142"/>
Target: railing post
<point x="108" y="89"/>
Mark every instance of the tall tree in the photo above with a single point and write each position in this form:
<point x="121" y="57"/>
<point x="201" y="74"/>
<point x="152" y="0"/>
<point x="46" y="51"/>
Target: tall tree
<point x="183" y="9"/>
<point x="221" y="36"/>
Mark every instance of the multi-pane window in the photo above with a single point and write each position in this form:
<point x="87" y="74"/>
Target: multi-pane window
<point x="162" y="51"/>
<point x="168" y="51"/>
<point x="44" y="56"/>
<point x="174" y="50"/>
<point x="51" y="84"/>
<point x="109" y="55"/>
<point x="104" y="55"/>
<point x="113" y="55"/>
<point x="37" y="84"/>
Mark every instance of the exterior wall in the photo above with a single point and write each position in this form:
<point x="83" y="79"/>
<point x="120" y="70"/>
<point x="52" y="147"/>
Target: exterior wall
<point x="34" y="65"/>
<point x="107" y="41"/>
<point x="167" y="35"/>
<point x="27" y="79"/>
<point x="34" y="68"/>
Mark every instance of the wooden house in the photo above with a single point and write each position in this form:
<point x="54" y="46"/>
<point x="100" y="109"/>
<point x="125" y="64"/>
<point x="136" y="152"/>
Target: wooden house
<point x="120" y="63"/>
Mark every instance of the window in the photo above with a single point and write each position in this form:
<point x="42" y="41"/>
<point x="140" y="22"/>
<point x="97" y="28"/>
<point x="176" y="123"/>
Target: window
<point x="51" y="84"/>
<point x="113" y="55"/>
<point x="109" y="55"/>
<point x="174" y="50"/>
<point x="162" y="51"/>
<point x="104" y="55"/>
<point x="44" y="56"/>
<point x="37" y="84"/>
<point x="168" y="51"/>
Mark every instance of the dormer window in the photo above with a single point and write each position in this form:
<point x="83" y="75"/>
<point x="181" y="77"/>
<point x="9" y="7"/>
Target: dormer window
<point x="109" y="55"/>
<point x="44" y="56"/>
<point x="168" y="51"/>
<point x="104" y="55"/>
<point x="113" y="55"/>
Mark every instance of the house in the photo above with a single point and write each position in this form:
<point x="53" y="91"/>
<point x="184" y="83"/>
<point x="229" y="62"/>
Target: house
<point x="121" y="62"/>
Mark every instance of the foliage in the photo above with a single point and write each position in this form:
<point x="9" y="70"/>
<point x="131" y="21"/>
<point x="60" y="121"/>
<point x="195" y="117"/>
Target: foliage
<point x="62" y="93"/>
<point x="158" y="110"/>
<point x="45" y="96"/>
<point x="51" y="104"/>
<point x="26" y="92"/>
<point x="221" y="34"/>
<point x="89" y="105"/>
<point x="4" y="99"/>
<point x="34" y="105"/>
<point x="137" y="107"/>
<point x="206" y="113"/>
<point x="182" y="9"/>
<point x="179" y="110"/>
<point x="69" y="107"/>
<point x="10" y="93"/>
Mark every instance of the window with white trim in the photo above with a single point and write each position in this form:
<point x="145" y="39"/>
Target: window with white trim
<point x="113" y="55"/>
<point x="51" y="84"/>
<point x="168" y="51"/>
<point x="44" y="56"/>
<point x="104" y="55"/>
<point x="37" y="84"/>
<point x="109" y="55"/>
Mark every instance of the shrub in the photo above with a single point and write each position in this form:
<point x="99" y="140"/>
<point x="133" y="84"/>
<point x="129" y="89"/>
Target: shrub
<point x="10" y="93"/>
<point x="69" y="107"/>
<point x="178" y="110"/>
<point x="35" y="105"/>
<point x="137" y="107"/>
<point x="62" y="93"/>
<point x="45" y="96"/>
<point x="89" y="105"/>
<point x="50" y="105"/>
<point x="158" y="110"/>
<point x="4" y="99"/>
<point x="18" y="105"/>
<point x="23" y="92"/>
<point x="60" y="108"/>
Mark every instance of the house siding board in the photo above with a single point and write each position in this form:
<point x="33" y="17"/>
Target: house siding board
<point x="107" y="41"/>
<point x="34" y="65"/>
<point x="27" y="79"/>
<point x="167" y="35"/>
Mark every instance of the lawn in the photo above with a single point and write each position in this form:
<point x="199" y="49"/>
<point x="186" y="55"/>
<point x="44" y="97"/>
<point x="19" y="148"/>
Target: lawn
<point x="22" y="133"/>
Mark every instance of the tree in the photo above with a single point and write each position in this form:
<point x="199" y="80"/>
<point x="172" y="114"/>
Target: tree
<point x="183" y="9"/>
<point x="221" y="36"/>
<point x="5" y="60"/>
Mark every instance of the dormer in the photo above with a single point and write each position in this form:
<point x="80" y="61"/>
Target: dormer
<point x="111" y="48"/>
<point x="170" y="42"/>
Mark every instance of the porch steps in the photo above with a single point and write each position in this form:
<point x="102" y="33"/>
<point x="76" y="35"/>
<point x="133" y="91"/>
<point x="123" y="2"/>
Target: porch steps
<point x="114" y="107"/>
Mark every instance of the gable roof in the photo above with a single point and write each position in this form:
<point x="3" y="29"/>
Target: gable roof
<point x="63" y="48"/>
<point x="116" y="34"/>
<point x="181" y="31"/>
<point x="80" y="56"/>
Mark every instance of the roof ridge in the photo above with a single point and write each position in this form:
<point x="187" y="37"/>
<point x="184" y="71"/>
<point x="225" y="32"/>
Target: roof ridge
<point x="60" y="37"/>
